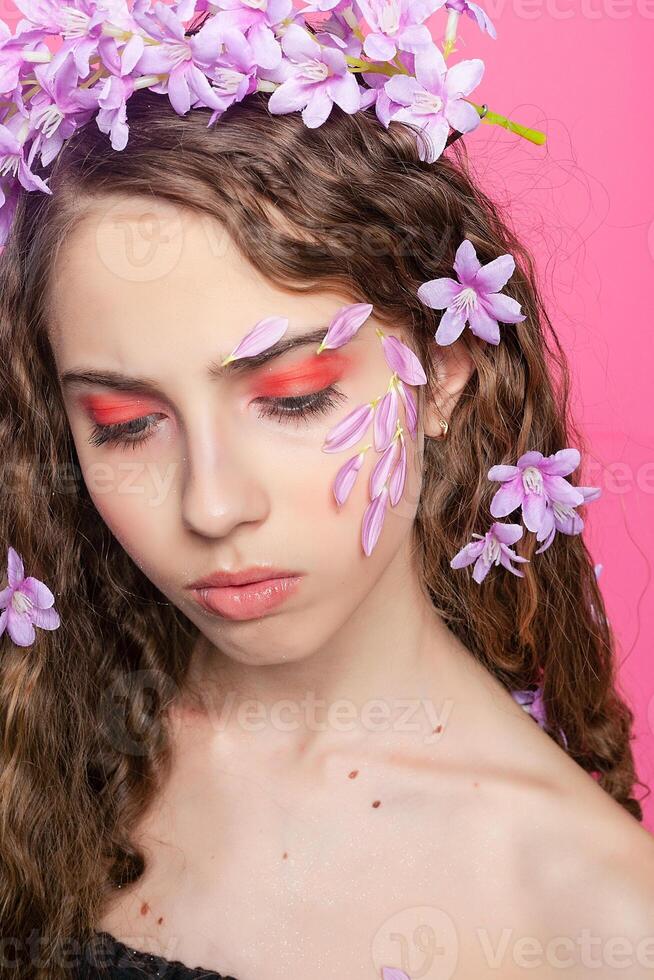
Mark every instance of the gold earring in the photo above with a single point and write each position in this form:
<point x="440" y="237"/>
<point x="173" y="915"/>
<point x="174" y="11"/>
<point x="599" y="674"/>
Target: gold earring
<point x="444" y="426"/>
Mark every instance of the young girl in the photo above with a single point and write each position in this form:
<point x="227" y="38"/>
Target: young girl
<point x="325" y="775"/>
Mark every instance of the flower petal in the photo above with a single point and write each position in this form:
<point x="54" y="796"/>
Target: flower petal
<point x="263" y="335"/>
<point x="410" y="408"/>
<point x="403" y="361"/>
<point x="349" y="430"/>
<point x="345" y="324"/>
<point x="15" y="568"/>
<point x="503" y="473"/>
<point x="450" y="327"/>
<point x="346" y="478"/>
<point x="481" y="569"/>
<point x="20" y="628"/>
<point x="463" y="77"/>
<point x="467" y="554"/>
<point x="533" y="511"/>
<point x="466" y="264"/>
<point x="439" y="293"/>
<point x="560" y="491"/>
<point x="398" y="476"/>
<point x="382" y="469"/>
<point x="38" y="592"/>
<point x="510" y="495"/>
<point x="483" y="325"/>
<point x="385" y="422"/>
<point x="373" y="521"/>
<point x="561" y="463"/>
<point x="507" y="533"/>
<point x="492" y="276"/>
<point x="47" y="619"/>
<point x="503" y="308"/>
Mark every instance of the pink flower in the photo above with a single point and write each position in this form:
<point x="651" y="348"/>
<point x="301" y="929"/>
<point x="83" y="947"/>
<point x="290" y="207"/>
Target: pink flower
<point x="475" y="299"/>
<point x="491" y="549"/>
<point x="26" y="603"/>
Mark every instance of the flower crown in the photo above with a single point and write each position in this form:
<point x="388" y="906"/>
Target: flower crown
<point x="211" y="55"/>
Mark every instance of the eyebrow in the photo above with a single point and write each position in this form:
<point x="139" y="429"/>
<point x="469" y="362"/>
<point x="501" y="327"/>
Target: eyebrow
<point x="246" y="365"/>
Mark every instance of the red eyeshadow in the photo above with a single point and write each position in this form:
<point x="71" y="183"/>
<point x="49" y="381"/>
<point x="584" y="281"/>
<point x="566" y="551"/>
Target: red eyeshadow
<point x="311" y="375"/>
<point x="106" y="410"/>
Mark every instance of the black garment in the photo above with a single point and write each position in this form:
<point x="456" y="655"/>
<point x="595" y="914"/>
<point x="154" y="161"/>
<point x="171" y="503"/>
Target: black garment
<point x="121" y="962"/>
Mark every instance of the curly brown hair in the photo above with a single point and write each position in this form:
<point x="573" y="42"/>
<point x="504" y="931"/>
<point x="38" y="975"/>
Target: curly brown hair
<point x="347" y="206"/>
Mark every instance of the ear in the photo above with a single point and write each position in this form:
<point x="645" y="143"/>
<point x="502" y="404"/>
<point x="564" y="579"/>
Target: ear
<point x="454" y="366"/>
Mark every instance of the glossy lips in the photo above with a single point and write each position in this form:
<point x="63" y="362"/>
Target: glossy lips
<point x="244" y="595"/>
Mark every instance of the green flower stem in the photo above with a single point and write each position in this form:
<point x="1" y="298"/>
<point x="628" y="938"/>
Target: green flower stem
<point x="533" y="135"/>
<point x="379" y="67"/>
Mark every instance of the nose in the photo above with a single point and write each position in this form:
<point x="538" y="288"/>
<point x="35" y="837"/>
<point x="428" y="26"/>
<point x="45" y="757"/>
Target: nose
<point x="220" y="487"/>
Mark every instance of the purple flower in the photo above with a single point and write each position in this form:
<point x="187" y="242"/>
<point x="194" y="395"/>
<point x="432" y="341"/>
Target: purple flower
<point x="319" y="78"/>
<point x="536" y="484"/>
<point x="565" y="518"/>
<point x="491" y="549"/>
<point x="533" y="704"/>
<point x="257" y="21"/>
<point x="26" y="603"/>
<point x="457" y="7"/>
<point x="60" y="107"/>
<point x="180" y="59"/>
<point x="12" y="154"/>
<point x="433" y="99"/>
<point x="474" y="299"/>
<point x="396" y="24"/>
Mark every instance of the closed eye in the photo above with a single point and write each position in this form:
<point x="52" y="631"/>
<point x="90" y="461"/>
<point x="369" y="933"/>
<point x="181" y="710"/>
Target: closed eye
<point x="298" y="407"/>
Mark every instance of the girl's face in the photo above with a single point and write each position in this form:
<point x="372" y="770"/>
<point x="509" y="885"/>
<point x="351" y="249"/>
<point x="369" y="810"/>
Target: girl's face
<point x="198" y="468"/>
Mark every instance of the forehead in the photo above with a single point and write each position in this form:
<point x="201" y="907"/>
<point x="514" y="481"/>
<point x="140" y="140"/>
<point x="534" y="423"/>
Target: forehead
<point x="140" y="276"/>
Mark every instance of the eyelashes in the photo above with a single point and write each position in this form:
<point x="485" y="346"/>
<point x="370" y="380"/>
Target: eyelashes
<point x="300" y="408"/>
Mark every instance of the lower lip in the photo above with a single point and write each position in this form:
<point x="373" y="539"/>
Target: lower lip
<point x="247" y="601"/>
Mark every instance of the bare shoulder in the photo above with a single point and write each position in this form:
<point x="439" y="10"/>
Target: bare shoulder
<point x="591" y="873"/>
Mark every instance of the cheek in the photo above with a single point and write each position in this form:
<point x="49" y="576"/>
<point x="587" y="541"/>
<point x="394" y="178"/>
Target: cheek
<point x="134" y="500"/>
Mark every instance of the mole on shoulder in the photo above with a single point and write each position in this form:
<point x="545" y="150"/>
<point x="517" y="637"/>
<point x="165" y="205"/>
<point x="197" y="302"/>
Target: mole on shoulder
<point x="439" y="728"/>
<point x="145" y="908"/>
<point x="285" y="855"/>
<point x="353" y="774"/>
<point x="160" y="920"/>
<point x="377" y="803"/>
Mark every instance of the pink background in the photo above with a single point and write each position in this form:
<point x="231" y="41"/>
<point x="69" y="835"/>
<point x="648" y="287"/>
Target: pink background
<point x="585" y="204"/>
<point x="578" y="69"/>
